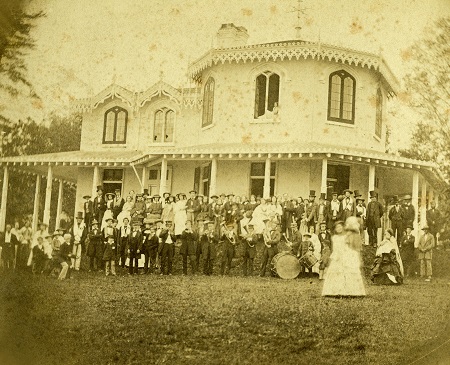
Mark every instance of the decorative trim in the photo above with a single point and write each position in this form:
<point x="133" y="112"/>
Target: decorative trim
<point x="297" y="50"/>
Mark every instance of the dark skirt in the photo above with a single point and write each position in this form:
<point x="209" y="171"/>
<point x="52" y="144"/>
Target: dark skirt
<point x="386" y="270"/>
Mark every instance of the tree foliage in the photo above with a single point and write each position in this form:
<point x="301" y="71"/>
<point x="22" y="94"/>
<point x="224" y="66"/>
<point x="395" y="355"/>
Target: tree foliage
<point x="428" y="92"/>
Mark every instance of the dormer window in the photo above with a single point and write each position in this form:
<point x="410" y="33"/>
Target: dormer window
<point x="267" y="92"/>
<point x="208" y="102"/>
<point x="163" y="125"/>
<point x="115" y="125"/>
<point x="341" y="97"/>
<point x="379" y="114"/>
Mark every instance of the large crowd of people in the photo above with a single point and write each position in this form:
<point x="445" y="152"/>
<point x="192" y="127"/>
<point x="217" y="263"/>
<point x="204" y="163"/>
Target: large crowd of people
<point x="141" y="234"/>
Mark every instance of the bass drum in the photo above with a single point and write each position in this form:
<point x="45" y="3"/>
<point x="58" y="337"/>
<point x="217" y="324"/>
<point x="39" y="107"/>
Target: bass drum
<point x="285" y="265"/>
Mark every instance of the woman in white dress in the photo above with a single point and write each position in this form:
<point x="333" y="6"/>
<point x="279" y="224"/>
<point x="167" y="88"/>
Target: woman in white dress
<point x="126" y="209"/>
<point x="180" y="215"/>
<point x="168" y="210"/>
<point x="275" y="210"/>
<point x="109" y="207"/>
<point x="343" y="277"/>
<point x="260" y="214"/>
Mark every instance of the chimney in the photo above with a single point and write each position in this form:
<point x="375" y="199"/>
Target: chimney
<point x="230" y="36"/>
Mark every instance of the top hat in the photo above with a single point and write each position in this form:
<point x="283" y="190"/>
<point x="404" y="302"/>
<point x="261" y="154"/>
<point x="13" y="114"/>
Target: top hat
<point x="99" y="187"/>
<point x="86" y="197"/>
<point x="323" y="196"/>
<point x="356" y="193"/>
<point x="347" y="191"/>
<point x="79" y="215"/>
<point x="145" y="191"/>
<point x="372" y="194"/>
<point x="312" y="193"/>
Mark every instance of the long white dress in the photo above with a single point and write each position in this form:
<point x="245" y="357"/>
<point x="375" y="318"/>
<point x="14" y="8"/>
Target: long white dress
<point x="180" y="216"/>
<point x="125" y="213"/>
<point x="317" y="248"/>
<point x="260" y="213"/>
<point x="343" y="277"/>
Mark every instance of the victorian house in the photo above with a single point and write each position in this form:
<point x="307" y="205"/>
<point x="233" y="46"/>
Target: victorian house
<point x="265" y="119"/>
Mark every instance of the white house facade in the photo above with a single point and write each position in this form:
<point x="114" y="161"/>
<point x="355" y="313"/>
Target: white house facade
<point x="264" y="119"/>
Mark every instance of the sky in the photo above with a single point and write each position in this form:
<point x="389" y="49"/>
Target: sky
<point x="83" y="46"/>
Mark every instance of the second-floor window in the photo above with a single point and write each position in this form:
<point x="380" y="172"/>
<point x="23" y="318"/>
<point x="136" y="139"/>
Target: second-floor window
<point x="208" y="102"/>
<point x="341" y="97"/>
<point x="115" y="126"/>
<point x="267" y="92"/>
<point x="163" y="125"/>
<point x="379" y="114"/>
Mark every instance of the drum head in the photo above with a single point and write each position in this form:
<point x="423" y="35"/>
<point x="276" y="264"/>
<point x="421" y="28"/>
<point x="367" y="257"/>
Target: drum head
<point x="287" y="266"/>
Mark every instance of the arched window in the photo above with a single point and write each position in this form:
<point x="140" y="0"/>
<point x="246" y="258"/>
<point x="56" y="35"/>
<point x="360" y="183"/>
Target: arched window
<point x="341" y="97"/>
<point x="115" y="125"/>
<point x="379" y="114"/>
<point x="208" y="102"/>
<point x="163" y="125"/>
<point x="267" y="92"/>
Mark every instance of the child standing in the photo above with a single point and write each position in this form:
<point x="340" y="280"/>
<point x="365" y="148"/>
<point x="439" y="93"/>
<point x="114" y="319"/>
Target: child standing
<point x="109" y="256"/>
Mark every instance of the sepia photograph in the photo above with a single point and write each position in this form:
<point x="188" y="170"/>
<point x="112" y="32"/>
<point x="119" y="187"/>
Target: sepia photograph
<point x="225" y="182"/>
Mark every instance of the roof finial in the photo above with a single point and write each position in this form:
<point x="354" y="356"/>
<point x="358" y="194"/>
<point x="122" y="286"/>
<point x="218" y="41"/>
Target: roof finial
<point x="299" y="10"/>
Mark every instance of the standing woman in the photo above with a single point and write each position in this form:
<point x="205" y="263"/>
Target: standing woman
<point x="180" y="214"/>
<point x="343" y="277"/>
<point x="275" y="210"/>
<point x="168" y="209"/>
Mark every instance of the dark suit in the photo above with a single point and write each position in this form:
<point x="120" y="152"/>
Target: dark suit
<point x="99" y="208"/>
<point x="123" y="236"/>
<point x="117" y="207"/>
<point x="397" y="215"/>
<point x="374" y="213"/>
<point x="410" y="213"/>
<point x="8" y="250"/>
<point x="88" y="213"/>
<point x="434" y="221"/>
<point x="150" y="250"/>
<point x="134" y="248"/>
<point x="167" y="251"/>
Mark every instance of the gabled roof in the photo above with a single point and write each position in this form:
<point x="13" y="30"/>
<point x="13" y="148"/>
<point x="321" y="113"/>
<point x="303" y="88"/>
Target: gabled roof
<point x="112" y="91"/>
<point x="295" y="49"/>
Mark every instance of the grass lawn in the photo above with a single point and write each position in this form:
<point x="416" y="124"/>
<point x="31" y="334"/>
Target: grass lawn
<point x="152" y="319"/>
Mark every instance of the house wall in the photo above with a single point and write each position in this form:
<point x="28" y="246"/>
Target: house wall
<point x="293" y="178"/>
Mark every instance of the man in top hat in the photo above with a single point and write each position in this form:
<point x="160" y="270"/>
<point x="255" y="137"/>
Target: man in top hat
<point x="425" y="247"/>
<point x="192" y="207"/>
<point x="118" y="203"/>
<point x="409" y="211"/>
<point x="348" y="205"/>
<point x="99" y="204"/>
<point x="374" y="212"/>
<point x="311" y="210"/>
<point x="79" y="233"/>
<point x="407" y="251"/>
<point x="357" y="195"/>
<point x="434" y="220"/>
<point x="361" y="215"/>
<point x="88" y="211"/>
<point x="397" y="215"/>
<point x="94" y="246"/>
<point x="333" y="210"/>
